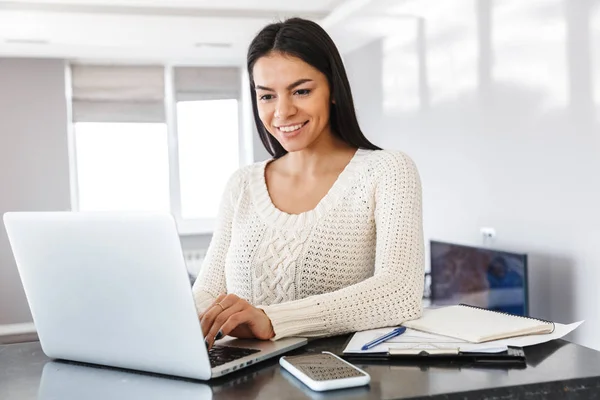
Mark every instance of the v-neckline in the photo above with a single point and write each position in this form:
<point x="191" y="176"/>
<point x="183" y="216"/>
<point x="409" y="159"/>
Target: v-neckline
<point x="282" y="219"/>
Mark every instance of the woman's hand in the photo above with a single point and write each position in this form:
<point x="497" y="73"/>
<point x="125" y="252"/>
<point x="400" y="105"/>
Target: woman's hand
<point x="230" y="315"/>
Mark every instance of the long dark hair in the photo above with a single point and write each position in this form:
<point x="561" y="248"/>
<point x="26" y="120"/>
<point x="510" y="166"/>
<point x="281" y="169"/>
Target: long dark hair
<point x="309" y="42"/>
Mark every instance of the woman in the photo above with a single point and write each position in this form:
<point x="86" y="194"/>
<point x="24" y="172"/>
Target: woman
<point x="326" y="237"/>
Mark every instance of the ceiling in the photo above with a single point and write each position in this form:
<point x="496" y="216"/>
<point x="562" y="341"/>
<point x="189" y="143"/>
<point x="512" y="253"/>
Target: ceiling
<point x="199" y="32"/>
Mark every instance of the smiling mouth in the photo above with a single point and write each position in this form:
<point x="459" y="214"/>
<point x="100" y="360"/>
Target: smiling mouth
<point x="291" y="128"/>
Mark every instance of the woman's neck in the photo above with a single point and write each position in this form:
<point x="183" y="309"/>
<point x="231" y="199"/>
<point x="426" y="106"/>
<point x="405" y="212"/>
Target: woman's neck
<point x="330" y="154"/>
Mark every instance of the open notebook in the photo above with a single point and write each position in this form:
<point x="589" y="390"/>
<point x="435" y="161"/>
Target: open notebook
<point x="477" y="325"/>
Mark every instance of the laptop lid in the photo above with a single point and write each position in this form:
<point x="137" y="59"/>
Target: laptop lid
<point x="109" y="288"/>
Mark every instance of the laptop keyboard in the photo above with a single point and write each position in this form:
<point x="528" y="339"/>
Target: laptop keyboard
<point x="220" y="355"/>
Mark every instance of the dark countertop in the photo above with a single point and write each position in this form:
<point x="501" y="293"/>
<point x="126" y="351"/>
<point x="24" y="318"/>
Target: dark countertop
<point x="555" y="370"/>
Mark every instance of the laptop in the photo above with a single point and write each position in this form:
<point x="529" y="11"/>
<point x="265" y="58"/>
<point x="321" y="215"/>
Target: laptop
<point x="113" y="289"/>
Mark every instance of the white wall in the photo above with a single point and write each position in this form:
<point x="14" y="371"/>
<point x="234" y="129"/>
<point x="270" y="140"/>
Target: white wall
<point x="34" y="162"/>
<point x="498" y="103"/>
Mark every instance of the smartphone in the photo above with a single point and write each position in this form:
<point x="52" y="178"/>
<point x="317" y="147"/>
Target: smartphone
<point x="324" y="371"/>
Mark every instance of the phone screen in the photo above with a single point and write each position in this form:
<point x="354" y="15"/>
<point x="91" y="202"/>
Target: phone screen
<point x="323" y="367"/>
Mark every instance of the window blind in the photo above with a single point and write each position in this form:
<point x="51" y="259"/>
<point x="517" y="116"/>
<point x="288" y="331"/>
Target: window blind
<point x="206" y="83"/>
<point x="105" y="93"/>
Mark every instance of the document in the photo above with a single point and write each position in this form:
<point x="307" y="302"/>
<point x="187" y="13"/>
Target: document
<point x="413" y="339"/>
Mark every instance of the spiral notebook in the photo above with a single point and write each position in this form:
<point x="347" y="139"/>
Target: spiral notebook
<point x="477" y="325"/>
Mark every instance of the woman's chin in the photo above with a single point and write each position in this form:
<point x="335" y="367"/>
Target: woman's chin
<point x="293" y="147"/>
<point x="292" y="144"/>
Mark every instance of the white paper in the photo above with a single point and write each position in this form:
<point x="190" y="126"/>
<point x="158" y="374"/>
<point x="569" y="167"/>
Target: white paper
<point x="560" y="330"/>
<point x="422" y="340"/>
<point x="412" y="339"/>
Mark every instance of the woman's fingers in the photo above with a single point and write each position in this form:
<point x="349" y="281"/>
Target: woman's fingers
<point x="215" y="332"/>
<point x="211" y="313"/>
<point x="228" y="314"/>
<point x="215" y="301"/>
<point x="236" y="319"/>
<point x="254" y="319"/>
<point x="222" y="303"/>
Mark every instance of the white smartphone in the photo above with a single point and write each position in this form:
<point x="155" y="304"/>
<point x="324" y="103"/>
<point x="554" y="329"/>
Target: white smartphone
<point x="324" y="371"/>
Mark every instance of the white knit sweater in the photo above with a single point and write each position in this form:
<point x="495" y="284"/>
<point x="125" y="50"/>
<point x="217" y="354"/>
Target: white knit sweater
<point x="354" y="262"/>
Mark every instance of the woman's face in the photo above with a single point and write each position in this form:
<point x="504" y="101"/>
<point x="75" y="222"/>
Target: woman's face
<point x="293" y="100"/>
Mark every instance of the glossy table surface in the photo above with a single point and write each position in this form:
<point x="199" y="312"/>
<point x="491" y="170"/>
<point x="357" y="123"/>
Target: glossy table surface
<point x="557" y="369"/>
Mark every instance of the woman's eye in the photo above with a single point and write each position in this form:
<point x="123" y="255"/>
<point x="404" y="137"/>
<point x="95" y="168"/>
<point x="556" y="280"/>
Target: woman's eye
<point x="266" y="97"/>
<point x="303" y="92"/>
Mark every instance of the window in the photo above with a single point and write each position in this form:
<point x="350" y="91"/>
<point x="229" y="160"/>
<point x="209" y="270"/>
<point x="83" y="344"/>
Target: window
<point x="208" y="133"/>
<point x="149" y="138"/>
<point x="122" y="166"/>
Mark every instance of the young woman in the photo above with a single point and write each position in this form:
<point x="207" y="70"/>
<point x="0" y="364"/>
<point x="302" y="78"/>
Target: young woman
<point x="326" y="237"/>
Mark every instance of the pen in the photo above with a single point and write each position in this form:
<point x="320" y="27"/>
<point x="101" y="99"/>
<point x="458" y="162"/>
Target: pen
<point x="394" y="333"/>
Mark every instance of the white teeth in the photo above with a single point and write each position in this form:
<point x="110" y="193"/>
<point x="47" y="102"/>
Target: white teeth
<point x="292" y="128"/>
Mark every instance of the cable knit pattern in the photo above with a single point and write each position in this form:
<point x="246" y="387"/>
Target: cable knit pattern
<point x="277" y="261"/>
<point x="354" y="262"/>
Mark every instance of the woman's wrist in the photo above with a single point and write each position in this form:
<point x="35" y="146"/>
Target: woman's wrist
<point x="272" y="331"/>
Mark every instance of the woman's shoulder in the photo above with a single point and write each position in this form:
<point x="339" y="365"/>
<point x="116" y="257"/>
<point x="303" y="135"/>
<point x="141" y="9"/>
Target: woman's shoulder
<point x="392" y="171"/>
<point x="389" y="161"/>
<point x="242" y="177"/>
<point x="245" y="171"/>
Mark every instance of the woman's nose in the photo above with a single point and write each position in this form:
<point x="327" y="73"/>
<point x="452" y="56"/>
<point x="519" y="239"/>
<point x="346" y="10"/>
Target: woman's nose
<point x="284" y="109"/>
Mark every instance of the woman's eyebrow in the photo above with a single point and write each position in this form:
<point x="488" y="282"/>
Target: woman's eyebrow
<point x="289" y="87"/>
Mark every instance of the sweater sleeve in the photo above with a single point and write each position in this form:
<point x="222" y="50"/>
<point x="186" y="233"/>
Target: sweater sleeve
<point x="394" y="293"/>
<point x="210" y="282"/>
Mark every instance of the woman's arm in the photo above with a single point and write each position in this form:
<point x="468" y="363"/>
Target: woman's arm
<point x="210" y="282"/>
<point x="394" y="293"/>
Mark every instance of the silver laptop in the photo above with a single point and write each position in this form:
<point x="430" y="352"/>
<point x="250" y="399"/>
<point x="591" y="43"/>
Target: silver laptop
<point x="113" y="289"/>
